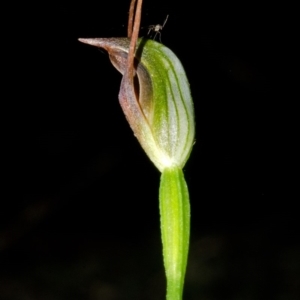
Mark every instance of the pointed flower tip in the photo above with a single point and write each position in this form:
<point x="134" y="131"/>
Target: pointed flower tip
<point x="82" y="40"/>
<point x="92" y="42"/>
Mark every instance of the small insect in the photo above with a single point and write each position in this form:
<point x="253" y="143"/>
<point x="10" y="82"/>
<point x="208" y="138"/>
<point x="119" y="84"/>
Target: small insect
<point x="157" y="28"/>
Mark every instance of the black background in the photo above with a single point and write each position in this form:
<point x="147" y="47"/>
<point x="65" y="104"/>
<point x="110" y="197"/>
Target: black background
<point x="79" y="209"/>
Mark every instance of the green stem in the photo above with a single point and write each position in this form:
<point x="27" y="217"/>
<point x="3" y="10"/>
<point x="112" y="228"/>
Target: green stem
<point x="175" y="228"/>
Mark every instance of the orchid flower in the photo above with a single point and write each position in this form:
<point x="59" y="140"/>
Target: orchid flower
<point x="156" y="100"/>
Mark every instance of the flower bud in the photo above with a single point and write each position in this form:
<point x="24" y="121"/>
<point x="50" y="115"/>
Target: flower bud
<point x="157" y="103"/>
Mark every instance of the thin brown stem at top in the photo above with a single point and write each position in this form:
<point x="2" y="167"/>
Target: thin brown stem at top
<point x="130" y="18"/>
<point x="134" y="35"/>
